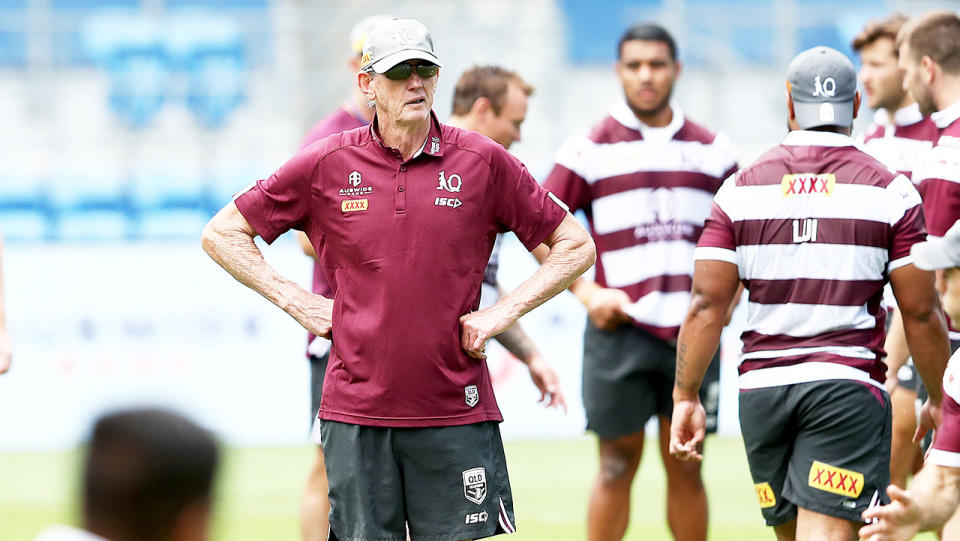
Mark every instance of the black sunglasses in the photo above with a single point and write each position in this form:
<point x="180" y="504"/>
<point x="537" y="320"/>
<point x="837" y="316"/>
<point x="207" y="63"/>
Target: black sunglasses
<point x="405" y="69"/>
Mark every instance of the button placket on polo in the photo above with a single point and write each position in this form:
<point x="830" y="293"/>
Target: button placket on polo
<point x="401" y="191"/>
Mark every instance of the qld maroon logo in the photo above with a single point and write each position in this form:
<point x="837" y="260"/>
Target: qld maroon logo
<point x="475" y="485"/>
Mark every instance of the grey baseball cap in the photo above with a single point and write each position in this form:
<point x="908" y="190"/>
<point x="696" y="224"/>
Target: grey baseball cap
<point x="938" y="253"/>
<point x="395" y="41"/>
<point x="823" y="84"/>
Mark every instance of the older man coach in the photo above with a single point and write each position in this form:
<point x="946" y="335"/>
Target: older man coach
<point x="403" y="214"/>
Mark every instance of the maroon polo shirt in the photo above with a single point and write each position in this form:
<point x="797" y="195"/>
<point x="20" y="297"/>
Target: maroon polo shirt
<point x="406" y="244"/>
<point x="342" y="119"/>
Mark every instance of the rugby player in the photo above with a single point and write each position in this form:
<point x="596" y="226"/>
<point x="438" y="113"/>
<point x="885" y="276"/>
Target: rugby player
<point x="935" y="491"/>
<point x="898" y="137"/>
<point x="645" y="177"/>
<point x="492" y="101"/>
<point x="403" y="214"/>
<point x="813" y="229"/>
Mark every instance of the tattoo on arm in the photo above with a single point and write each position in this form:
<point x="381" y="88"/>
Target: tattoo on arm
<point x="517" y="342"/>
<point x="681" y="365"/>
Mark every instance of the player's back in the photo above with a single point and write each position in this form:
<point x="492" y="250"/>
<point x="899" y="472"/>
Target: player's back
<point x="816" y="226"/>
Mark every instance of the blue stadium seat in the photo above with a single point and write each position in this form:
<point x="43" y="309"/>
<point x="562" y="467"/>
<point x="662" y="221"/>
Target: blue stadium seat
<point x="29" y="225"/>
<point x="128" y="46"/>
<point x="91" y="207"/>
<point x="13" y="48"/>
<point x="171" y="224"/>
<point x="169" y="203"/>
<point x="208" y="47"/>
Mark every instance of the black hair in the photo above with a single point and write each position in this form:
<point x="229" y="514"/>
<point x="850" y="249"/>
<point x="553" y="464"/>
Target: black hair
<point x="143" y="467"/>
<point x="648" y="32"/>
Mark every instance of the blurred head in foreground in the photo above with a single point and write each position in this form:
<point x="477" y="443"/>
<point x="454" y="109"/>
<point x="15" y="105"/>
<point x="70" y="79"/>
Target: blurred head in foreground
<point x="148" y="476"/>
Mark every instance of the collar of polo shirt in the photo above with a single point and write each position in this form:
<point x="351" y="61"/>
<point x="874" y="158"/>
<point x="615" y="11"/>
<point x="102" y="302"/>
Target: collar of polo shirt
<point x="432" y="144"/>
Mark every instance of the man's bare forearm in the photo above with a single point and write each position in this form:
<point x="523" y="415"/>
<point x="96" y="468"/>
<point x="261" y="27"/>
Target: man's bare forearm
<point x="228" y="239"/>
<point x="930" y="348"/>
<point x="937" y="489"/>
<point x="582" y="288"/>
<point x="571" y="253"/>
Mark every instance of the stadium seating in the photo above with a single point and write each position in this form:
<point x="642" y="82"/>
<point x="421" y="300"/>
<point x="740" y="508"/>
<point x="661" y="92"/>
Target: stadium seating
<point x="168" y="203"/>
<point x="24" y="208"/>
<point x="91" y="206"/>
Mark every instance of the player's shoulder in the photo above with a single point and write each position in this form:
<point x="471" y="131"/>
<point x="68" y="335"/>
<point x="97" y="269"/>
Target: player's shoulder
<point x="335" y="122"/>
<point x="330" y="145"/>
<point x="468" y="141"/>
<point x="610" y="130"/>
<point x="695" y="132"/>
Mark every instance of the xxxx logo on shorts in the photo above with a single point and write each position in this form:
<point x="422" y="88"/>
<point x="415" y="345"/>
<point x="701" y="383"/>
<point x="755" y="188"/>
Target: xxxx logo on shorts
<point x="835" y="480"/>
<point x="808" y="183"/>
<point x="353" y="205"/>
<point x="765" y="495"/>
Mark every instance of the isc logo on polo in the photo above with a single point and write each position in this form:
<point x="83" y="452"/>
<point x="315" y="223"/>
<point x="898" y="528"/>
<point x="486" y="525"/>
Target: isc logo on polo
<point x="835" y="480"/>
<point x="808" y="183"/>
<point x="451" y="202"/>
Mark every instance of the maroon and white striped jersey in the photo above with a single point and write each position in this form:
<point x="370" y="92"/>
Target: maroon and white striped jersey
<point x="946" y="443"/>
<point x="899" y="142"/>
<point x="646" y="193"/>
<point x="939" y="173"/>
<point x="815" y="227"/>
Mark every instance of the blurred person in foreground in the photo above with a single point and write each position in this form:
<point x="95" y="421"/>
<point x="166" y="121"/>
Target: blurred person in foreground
<point x="645" y="177"/>
<point x="935" y="491"/>
<point x="898" y="137"/>
<point x="492" y="101"/>
<point x="5" y="349"/>
<point x="813" y="229"/>
<point x="929" y="54"/>
<point x="314" y="505"/>
<point x="403" y="214"/>
<point x="148" y="475"/>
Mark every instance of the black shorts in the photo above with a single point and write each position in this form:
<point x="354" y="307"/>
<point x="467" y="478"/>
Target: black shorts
<point x="628" y="376"/>
<point x="909" y="378"/>
<point x="318" y="368"/>
<point x="822" y="445"/>
<point x="446" y="483"/>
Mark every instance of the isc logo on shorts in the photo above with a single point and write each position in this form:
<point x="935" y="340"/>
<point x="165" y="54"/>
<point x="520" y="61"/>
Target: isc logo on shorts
<point x="476" y="518"/>
<point x="765" y="495"/>
<point x="835" y="480"/>
<point x="808" y="183"/>
<point x="353" y="205"/>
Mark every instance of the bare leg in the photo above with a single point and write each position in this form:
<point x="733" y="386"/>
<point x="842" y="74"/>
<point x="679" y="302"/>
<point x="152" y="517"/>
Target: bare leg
<point x="786" y="531"/>
<point x="813" y="526"/>
<point x="315" y="505"/>
<point x="609" y="508"/>
<point x="903" y="451"/>
<point x="686" y="497"/>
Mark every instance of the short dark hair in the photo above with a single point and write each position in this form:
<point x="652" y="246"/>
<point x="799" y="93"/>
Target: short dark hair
<point x="143" y="467"/>
<point x="489" y="82"/>
<point x="935" y="34"/>
<point x="648" y="32"/>
<point x="877" y="29"/>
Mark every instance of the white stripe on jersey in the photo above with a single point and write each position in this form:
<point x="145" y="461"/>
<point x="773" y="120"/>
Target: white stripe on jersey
<point x="944" y="458"/>
<point x="811" y="260"/>
<point x="803" y="373"/>
<point x="596" y="161"/>
<point x="806" y="319"/>
<point x="641" y="206"/>
<point x="897" y="153"/>
<point x="855" y="352"/>
<point x="848" y="201"/>
<point x="715" y="254"/>
<point x="660" y="309"/>
<point x="942" y="162"/>
<point x="635" y="264"/>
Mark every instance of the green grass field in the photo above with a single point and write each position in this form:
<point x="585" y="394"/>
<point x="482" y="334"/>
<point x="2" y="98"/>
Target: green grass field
<point x="260" y="489"/>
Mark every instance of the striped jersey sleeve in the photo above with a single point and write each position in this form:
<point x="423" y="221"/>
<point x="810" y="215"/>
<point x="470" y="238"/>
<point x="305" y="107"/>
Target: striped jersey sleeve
<point x="946" y="444"/>
<point x="939" y="177"/>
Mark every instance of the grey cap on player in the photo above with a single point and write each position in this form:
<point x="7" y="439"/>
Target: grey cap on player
<point x="938" y="253"/>
<point x="823" y="84"/>
<point x="395" y="41"/>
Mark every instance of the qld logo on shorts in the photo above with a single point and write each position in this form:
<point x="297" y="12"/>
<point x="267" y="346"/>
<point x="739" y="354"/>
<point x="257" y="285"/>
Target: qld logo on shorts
<point x="835" y="480"/>
<point x="471" y="395"/>
<point x="475" y="485"/>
